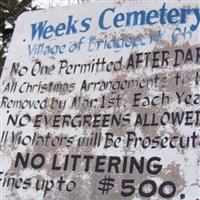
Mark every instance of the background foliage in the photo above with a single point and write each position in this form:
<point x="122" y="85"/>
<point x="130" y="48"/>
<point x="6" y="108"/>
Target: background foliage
<point x="9" y="12"/>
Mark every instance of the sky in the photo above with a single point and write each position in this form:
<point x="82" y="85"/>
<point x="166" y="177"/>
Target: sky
<point x="56" y="3"/>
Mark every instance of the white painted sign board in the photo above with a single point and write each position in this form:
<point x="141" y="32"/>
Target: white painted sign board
<point x="101" y="101"/>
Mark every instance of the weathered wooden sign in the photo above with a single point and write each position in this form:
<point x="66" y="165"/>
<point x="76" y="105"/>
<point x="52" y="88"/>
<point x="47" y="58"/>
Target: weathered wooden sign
<point x="101" y="101"/>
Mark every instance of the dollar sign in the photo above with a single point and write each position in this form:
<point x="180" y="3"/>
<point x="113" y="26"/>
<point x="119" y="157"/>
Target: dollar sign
<point x="106" y="184"/>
